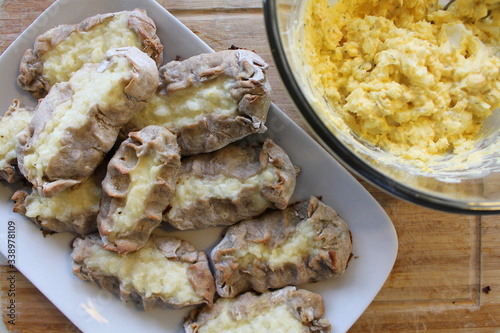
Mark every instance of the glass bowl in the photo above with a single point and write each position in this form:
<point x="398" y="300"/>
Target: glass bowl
<point x="467" y="183"/>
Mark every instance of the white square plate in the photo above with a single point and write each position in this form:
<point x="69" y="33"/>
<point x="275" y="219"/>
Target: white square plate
<point x="46" y="262"/>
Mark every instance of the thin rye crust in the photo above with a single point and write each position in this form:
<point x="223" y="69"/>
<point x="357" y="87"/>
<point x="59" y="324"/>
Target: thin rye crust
<point x="307" y="242"/>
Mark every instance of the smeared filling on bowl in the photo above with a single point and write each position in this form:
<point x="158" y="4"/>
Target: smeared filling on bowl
<point x="409" y="76"/>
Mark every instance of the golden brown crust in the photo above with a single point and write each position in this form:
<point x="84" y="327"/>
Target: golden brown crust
<point x="328" y="259"/>
<point x="303" y="305"/>
<point x="240" y="161"/>
<point x="250" y="90"/>
<point x="173" y="248"/>
<point x="152" y="141"/>
<point x="31" y="76"/>
<point x="83" y="148"/>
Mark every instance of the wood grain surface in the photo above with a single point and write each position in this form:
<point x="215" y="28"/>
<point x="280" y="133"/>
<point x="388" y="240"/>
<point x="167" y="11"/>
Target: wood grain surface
<point x="447" y="274"/>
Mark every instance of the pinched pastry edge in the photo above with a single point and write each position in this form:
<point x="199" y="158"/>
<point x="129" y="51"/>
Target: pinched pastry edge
<point x="272" y="230"/>
<point x="155" y="140"/>
<point x="31" y="76"/>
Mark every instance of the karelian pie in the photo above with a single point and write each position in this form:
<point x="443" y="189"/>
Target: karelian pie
<point x="64" y="49"/>
<point x="236" y="182"/>
<point x="306" y="242"/>
<point x="209" y="100"/>
<point x="139" y="184"/>
<point x="166" y="272"/>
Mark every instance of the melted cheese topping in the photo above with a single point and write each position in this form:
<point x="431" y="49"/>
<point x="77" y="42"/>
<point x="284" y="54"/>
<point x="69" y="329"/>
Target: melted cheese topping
<point x="88" y="47"/>
<point x="186" y="107"/>
<point x="301" y="244"/>
<point x="190" y="189"/>
<point x="146" y="270"/>
<point x="272" y="320"/>
<point x="104" y="88"/>
<point x="404" y="76"/>
<point x="142" y="179"/>
<point x="66" y="204"/>
<point x="10" y="126"/>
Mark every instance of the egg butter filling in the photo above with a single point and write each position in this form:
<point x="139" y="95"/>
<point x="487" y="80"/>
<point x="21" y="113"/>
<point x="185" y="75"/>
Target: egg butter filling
<point x="411" y="77"/>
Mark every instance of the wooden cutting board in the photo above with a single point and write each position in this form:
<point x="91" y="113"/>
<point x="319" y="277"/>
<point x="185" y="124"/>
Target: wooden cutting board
<point x="447" y="274"/>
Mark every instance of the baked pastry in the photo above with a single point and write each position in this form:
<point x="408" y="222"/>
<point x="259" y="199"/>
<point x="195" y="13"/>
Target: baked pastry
<point x="64" y="49"/>
<point x="306" y="242"/>
<point x="11" y="124"/>
<point x="73" y="210"/>
<point x="209" y="100"/>
<point x="285" y="310"/>
<point x="78" y="122"/>
<point x="237" y="182"/>
<point x="166" y="272"/>
<point x="139" y="184"/>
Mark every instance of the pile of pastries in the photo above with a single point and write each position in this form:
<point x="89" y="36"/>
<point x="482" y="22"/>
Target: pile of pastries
<point x="122" y="144"/>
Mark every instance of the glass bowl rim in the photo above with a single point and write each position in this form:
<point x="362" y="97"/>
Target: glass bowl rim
<point x="335" y="147"/>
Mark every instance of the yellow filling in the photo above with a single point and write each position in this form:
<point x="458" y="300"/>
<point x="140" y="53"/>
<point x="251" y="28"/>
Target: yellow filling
<point x="186" y="107"/>
<point x="406" y="76"/>
<point x="142" y="177"/>
<point x="88" y="47"/>
<point x="273" y="320"/>
<point x="146" y="270"/>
